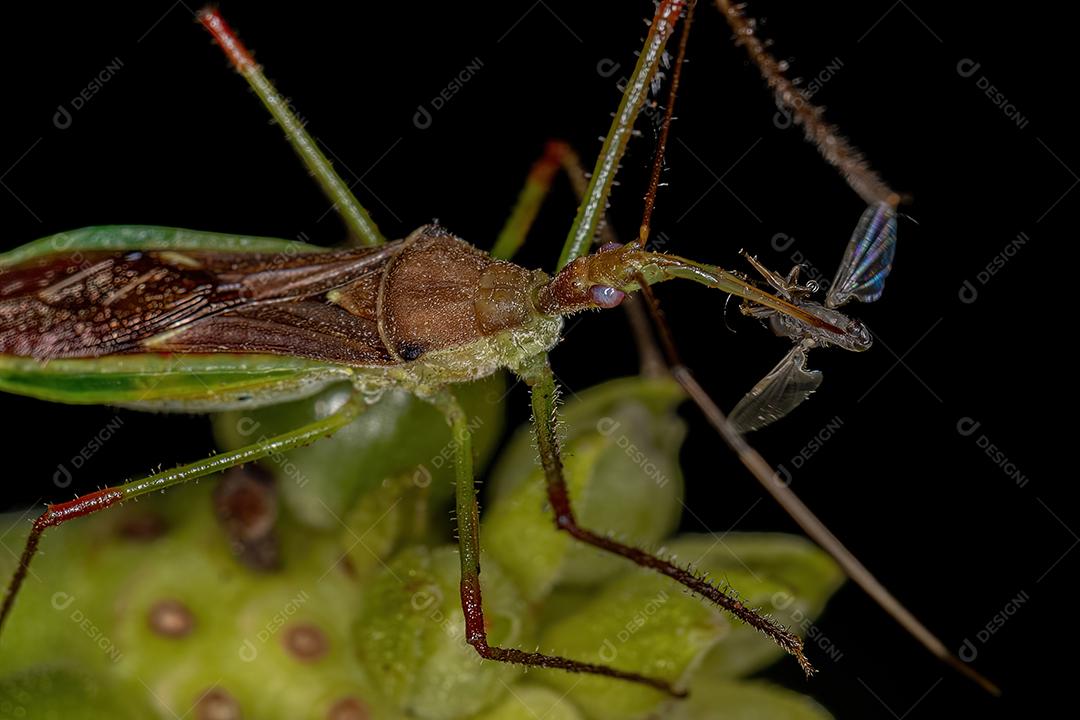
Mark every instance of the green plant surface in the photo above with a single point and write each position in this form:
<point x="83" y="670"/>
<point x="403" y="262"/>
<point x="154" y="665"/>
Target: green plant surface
<point x="147" y="611"/>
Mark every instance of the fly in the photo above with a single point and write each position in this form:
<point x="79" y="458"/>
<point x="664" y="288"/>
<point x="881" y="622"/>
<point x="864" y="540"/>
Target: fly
<point x="861" y="276"/>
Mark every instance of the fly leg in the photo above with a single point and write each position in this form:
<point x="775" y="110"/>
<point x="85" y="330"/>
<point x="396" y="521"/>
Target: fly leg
<point x="361" y="226"/>
<point x="542" y="383"/>
<point x="107" y="497"/>
<point x="468" y="519"/>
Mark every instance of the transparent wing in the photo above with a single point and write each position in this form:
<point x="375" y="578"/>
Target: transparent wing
<point x="778" y="393"/>
<point x="868" y="258"/>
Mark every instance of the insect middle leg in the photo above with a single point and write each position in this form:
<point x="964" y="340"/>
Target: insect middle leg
<point x="107" y="497"/>
<point x="472" y="606"/>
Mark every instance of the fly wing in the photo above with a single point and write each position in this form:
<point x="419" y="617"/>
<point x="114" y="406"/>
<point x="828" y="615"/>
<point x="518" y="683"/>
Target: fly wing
<point x="778" y="393"/>
<point x="868" y="258"/>
<point x="90" y="304"/>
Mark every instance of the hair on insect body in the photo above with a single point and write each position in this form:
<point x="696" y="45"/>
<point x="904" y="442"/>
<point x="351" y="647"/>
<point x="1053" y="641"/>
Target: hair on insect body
<point x="263" y="320"/>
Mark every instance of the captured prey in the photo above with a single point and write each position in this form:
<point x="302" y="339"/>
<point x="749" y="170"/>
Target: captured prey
<point x="861" y="276"/>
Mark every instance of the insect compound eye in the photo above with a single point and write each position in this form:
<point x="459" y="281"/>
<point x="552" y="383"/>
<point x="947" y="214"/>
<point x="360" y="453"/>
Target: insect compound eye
<point x="861" y="334"/>
<point x="410" y="351"/>
<point x="605" y="296"/>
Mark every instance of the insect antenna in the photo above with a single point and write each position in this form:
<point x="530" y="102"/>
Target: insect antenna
<point x="860" y="176"/>
<point x="665" y="129"/>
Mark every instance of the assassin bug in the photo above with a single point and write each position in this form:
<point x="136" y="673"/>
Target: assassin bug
<point x="260" y="323"/>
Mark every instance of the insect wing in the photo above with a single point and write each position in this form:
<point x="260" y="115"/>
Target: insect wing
<point x="785" y="387"/>
<point x="103" y="303"/>
<point x="868" y="258"/>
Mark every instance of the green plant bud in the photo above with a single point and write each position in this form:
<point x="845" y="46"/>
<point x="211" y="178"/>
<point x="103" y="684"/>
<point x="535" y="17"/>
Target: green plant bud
<point x="529" y="702"/>
<point x="398" y="434"/>
<point x="620" y="452"/>
<point x="744" y="701"/>
<point x="641" y="622"/>
<point x="177" y="617"/>
<point x="384" y="518"/>
<point x="54" y="693"/>
<point x="199" y="627"/>
<point x="785" y="576"/>
<point x="411" y="635"/>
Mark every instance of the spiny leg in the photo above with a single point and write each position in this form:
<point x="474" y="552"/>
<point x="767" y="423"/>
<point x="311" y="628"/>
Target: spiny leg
<point x="590" y="213"/>
<point x="770" y="480"/>
<point x="866" y="183"/>
<point x="799" y="512"/>
<point x="559" y="155"/>
<point x="358" y="220"/>
<point x="645" y="227"/>
<point x="836" y="150"/>
<point x="472" y="606"/>
<point x="542" y="383"/>
<point x="107" y="497"/>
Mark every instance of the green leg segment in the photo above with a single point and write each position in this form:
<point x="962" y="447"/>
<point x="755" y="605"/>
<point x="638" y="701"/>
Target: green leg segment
<point x="468" y="517"/>
<point x="107" y="497"/>
<point x="356" y="217"/>
<point x="593" y="207"/>
<point x="544" y="410"/>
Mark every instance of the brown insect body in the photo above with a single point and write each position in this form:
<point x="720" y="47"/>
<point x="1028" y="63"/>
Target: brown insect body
<point x="430" y="297"/>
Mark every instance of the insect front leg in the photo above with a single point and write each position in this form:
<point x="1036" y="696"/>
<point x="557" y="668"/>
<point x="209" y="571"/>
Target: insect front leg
<point x="107" y="497"/>
<point x="361" y="226"/>
<point x="472" y="606"/>
<point x="542" y="383"/>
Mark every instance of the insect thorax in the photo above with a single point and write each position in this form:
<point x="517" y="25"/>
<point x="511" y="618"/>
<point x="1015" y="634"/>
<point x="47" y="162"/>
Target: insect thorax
<point x="855" y="336"/>
<point x="448" y="312"/>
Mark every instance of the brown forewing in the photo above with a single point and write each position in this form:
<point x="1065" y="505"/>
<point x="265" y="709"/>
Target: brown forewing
<point x="93" y="304"/>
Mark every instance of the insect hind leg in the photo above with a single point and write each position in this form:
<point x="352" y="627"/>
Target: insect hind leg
<point x="90" y="503"/>
<point x="542" y="384"/>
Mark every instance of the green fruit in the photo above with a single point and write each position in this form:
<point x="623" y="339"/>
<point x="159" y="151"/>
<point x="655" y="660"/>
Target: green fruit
<point x="397" y="435"/>
<point x="148" y="610"/>
<point x="411" y="634"/>
<point x="640" y="622"/>
<point x="57" y="693"/>
<point x="785" y="576"/>
<point x="528" y="702"/>
<point x="746" y="701"/>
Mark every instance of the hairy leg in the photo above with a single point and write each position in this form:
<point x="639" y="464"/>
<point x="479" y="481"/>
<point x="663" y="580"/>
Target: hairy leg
<point x="472" y="606"/>
<point x="107" y="497"/>
<point x="544" y="409"/>
<point x="359" y="222"/>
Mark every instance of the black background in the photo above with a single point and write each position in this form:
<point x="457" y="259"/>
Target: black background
<point x="173" y="138"/>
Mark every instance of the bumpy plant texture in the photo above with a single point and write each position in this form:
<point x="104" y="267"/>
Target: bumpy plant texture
<point x="325" y="584"/>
